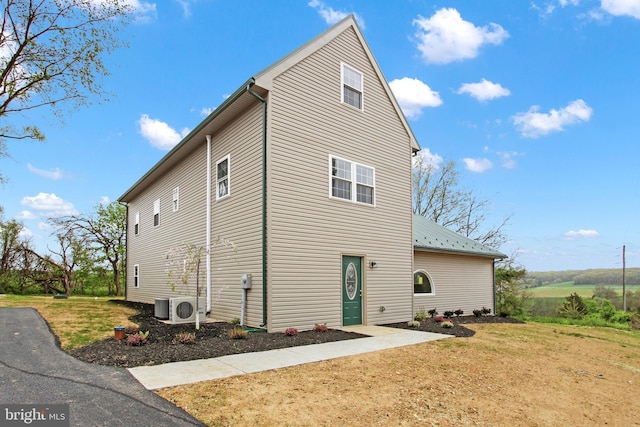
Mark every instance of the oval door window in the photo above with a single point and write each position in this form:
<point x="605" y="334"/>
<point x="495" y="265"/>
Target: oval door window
<point x="351" y="282"/>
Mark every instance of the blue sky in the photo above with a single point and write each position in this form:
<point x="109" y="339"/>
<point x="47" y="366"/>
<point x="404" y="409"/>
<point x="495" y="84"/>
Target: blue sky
<point x="536" y="101"/>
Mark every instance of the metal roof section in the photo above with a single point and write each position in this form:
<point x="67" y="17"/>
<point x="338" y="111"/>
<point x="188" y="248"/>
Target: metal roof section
<point x="431" y="237"/>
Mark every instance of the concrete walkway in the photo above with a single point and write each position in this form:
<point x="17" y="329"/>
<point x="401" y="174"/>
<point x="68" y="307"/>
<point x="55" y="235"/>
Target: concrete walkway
<point x="179" y="373"/>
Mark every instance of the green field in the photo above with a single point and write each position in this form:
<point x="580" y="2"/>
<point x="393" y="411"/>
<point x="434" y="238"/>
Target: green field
<point x="557" y="290"/>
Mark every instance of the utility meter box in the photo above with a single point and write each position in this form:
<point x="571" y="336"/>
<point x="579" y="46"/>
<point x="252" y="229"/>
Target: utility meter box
<point x="245" y="281"/>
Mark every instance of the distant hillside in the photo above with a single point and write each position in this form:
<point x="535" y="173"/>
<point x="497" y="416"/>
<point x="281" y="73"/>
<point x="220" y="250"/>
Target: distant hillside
<point x="598" y="276"/>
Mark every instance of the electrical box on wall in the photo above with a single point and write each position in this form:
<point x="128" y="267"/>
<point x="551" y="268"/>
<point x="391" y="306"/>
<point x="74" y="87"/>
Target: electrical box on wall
<point x="245" y="281"/>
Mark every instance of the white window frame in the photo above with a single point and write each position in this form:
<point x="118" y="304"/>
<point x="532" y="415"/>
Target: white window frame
<point x="136" y="224"/>
<point x="226" y="158"/>
<point x="433" y="286"/>
<point x="353" y="180"/>
<point x="176" y="199"/>
<point x="347" y="84"/>
<point x="136" y="276"/>
<point x="156" y="213"/>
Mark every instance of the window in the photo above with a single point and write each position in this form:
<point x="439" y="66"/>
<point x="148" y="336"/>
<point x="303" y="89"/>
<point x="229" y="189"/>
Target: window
<point x="136" y="225"/>
<point x="156" y="213"/>
<point x="176" y="199"/>
<point x="345" y="175"/>
<point x="223" y="172"/>
<point x="136" y="276"/>
<point x="422" y="283"/>
<point x="352" y="87"/>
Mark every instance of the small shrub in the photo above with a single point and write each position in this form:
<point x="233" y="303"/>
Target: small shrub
<point x="486" y="310"/>
<point x="291" y="332"/>
<point x="447" y="324"/>
<point x="237" y="333"/>
<point x="185" y="338"/>
<point x="635" y="321"/>
<point x="477" y="313"/>
<point x="448" y="314"/>
<point x="439" y="319"/>
<point x="321" y="327"/>
<point x="573" y="307"/>
<point x="413" y="324"/>
<point x="137" y="339"/>
<point x="235" y="321"/>
<point x="459" y="312"/>
<point x="433" y="312"/>
<point x="421" y="315"/>
<point x="131" y="329"/>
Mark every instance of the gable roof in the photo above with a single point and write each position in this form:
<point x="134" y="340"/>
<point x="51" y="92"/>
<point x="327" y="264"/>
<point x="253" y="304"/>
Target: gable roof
<point x="241" y="99"/>
<point x="265" y="77"/>
<point x="431" y="237"/>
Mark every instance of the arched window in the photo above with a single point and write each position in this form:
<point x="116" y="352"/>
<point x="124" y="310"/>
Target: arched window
<point x="422" y="283"/>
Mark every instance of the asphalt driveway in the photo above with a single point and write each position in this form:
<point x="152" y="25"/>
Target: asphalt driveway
<point x="34" y="370"/>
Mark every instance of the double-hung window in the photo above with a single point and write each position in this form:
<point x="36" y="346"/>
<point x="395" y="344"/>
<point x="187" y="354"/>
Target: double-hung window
<point x="223" y="180"/>
<point x="136" y="276"/>
<point x="352" y="87"/>
<point x="136" y="224"/>
<point x="176" y="199"/>
<point x="156" y="213"/>
<point x="352" y="181"/>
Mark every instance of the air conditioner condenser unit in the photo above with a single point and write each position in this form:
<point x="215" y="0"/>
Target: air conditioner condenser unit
<point x="183" y="309"/>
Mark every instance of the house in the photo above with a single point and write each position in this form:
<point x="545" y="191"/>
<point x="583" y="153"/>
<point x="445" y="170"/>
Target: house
<point x="306" y="170"/>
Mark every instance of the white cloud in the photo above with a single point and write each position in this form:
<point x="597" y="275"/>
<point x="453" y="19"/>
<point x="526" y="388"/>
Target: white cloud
<point x="446" y="37"/>
<point x="508" y="161"/>
<point x="571" y="235"/>
<point x="205" y="111"/>
<point x="477" y="165"/>
<point x="53" y="174"/>
<point x="26" y="215"/>
<point x="159" y="133"/>
<point x="622" y="7"/>
<point x="49" y="205"/>
<point x="427" y="159"/>
<point x="414" y="95"/>
<point x="484" y="90"/>
<point x="186" y="8"/>
<point x="332" y="16"/>
<point x="142" y="10"/>
<point x="533" y="124"/>
<point x="565" y="3"/>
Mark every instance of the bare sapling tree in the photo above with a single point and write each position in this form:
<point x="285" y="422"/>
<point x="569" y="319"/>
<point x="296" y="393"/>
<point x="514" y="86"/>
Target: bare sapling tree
<point x="437" y="195"/>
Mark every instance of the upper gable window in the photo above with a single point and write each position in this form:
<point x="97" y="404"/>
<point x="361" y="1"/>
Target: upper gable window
<point x="136" y="224"/>
<point x="352" y="87"/>
<point x="223" y="181"/>
<point x="352" y="181"/>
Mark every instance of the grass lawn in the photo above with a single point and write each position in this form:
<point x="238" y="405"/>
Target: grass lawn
<point x="77" y="321"/>
<point x="564" y="289"/>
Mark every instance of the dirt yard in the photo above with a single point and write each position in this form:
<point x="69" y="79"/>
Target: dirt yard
<point x="505" y="375"/>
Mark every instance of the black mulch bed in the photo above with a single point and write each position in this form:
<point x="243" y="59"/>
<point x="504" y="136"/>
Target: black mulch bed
<point x="212" y="340"/>
<point x="458" y="330"/>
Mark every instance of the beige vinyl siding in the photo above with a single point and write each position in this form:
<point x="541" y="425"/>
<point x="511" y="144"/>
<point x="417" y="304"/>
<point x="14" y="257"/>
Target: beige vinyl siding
<point x="459" y="282"/>
<point x="236" y="223"/>
<point x="238" y="219"/>
<point x="187" y="225"/>
<point x="308" y="232"/>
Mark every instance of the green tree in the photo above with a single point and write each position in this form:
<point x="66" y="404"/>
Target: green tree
<point x="52" y="55"/>
<point x="104" y="230"/>
<point x="9" y="250"/>
<point x="510" y="295"/>
<point x="437" y="195"/>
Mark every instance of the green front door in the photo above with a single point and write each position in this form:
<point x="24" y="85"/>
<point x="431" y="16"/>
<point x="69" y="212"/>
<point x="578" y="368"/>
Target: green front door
<point x="351" y="290"/>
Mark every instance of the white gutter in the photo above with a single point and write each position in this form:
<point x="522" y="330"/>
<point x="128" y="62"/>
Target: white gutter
<point x="208" y="216"/>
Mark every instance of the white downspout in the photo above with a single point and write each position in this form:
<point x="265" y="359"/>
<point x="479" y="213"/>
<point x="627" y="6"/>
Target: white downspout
<point x="208" y="215"/>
